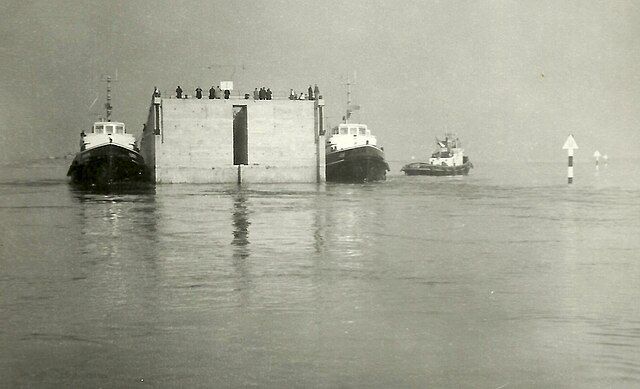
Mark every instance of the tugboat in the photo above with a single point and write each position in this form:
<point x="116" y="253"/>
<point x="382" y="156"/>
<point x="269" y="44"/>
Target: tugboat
<point x="108" y="155"/>
<point x="447" y="160"/>
<point x="352" y="153"/>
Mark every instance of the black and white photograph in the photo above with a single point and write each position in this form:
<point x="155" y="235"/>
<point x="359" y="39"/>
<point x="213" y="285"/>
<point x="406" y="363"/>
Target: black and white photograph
<point x="330" y="194"/>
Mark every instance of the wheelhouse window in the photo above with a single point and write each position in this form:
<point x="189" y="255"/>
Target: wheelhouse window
<point x="344" y="131"/>
<point x="119" y="129"/>
<point x="353" y="131"/>
<point x="362" y="130"/>
<point x="99" y="129"/>
<point x="109" y="129"/>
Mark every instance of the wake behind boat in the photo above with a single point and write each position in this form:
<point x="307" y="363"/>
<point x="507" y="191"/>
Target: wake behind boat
<point x="108" y="155"/>
<point x="447" y="160"/>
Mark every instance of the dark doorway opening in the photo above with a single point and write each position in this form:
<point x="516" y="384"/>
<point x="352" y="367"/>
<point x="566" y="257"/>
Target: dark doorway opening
<point x="240" y="135"/>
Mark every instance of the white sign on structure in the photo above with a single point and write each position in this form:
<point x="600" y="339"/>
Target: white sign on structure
<point x="226" y="85"/>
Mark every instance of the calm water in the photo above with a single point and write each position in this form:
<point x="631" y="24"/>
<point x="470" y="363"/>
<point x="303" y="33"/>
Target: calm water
<point x="504" y="278"/>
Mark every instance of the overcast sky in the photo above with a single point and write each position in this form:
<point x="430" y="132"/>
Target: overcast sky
<point x="511" y="78"/>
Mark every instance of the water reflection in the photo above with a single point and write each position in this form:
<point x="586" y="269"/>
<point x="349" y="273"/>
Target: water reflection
<point x="349" y="218"/>
<point x="241" y="248"/>
<point x="114" y="189"/>
<point x="241" y="225"/>
<point x="113" y="229"/>
<point x="112" y="287"/>
<point x="136" y="205"/>
<point x="319" y="229"/>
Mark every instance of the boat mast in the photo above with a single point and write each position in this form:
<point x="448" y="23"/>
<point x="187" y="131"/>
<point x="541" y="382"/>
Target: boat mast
<point x="108" y="105"/>
<point x="346" y="117"/>
<point x="350" y="107"/>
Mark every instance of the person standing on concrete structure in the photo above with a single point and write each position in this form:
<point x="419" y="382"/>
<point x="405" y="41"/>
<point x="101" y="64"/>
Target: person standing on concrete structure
<point x="218" y="92"/>
<point x="256" y="94"/>
<point x="262" y="93"/>
<point x="269" y="94"/>
<point x="179" y="92"/>
<point x="198" y="93"/>
<point x="212" y="92"/>
<point x="227" y="93"/>
<point x="316" y="92"/>
<point x="310" y="93"/>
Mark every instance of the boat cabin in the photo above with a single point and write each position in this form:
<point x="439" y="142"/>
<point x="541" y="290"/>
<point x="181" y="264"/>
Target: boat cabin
<point x="107" y="128"/>
<point x="442" y="154"/>
<point x="447" y="153"/>
<point x="351" y="129"/>
<point x="106" y="132"/>
<point x="347" y="135"/>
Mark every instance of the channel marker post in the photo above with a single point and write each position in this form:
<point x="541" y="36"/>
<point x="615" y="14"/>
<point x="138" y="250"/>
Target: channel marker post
<point x="570" y="145"/>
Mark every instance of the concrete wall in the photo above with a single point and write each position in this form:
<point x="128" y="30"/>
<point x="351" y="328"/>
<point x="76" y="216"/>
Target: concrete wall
<point x="148" y="143"/>
<point x="195" y="141"/>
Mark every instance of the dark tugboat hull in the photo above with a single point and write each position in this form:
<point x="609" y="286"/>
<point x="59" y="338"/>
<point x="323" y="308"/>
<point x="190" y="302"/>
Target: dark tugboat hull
<point x="425" y="169"/>
<point x="107" y="165"/>
<point x="359" y="164"/>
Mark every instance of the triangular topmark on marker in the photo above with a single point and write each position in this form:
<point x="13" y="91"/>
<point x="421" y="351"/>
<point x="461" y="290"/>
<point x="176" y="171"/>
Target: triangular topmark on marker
<point x="570" y="143"/>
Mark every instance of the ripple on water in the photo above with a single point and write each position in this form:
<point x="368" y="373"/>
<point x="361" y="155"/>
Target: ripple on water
<point x="619" y="355"/>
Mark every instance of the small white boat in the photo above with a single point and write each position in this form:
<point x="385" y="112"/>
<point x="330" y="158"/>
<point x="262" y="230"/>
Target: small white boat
<point x="447" y="160"/>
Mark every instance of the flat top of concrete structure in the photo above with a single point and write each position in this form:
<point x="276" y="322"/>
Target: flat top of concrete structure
<point x="235" y="98"/>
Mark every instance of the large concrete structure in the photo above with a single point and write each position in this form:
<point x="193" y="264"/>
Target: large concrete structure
<point x="232" y="140"/>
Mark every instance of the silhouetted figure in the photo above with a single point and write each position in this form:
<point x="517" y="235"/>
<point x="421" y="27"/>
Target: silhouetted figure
<point x="262" y="94"/>
<point x="310" y="93"/>
<point x="156" y="92"/>
<point x="256" y="94"/>
<point x="227" y="93"/>
<point x="316" y="92"/>
<point x="198" y="93"/>
<point x="292" y="94"/>
<point x="269" y="94"/>
<point x="179" y="92"/>
<point x="218" y="92"/>
<point x="212" y="92"/>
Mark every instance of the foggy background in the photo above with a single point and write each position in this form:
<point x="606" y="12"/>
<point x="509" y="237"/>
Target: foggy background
<point x="511" y="78"/>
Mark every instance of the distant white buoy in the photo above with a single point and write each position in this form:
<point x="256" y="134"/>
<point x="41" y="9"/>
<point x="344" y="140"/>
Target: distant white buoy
<point x="596" y="155"/>
<point x="570" y="145"/>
